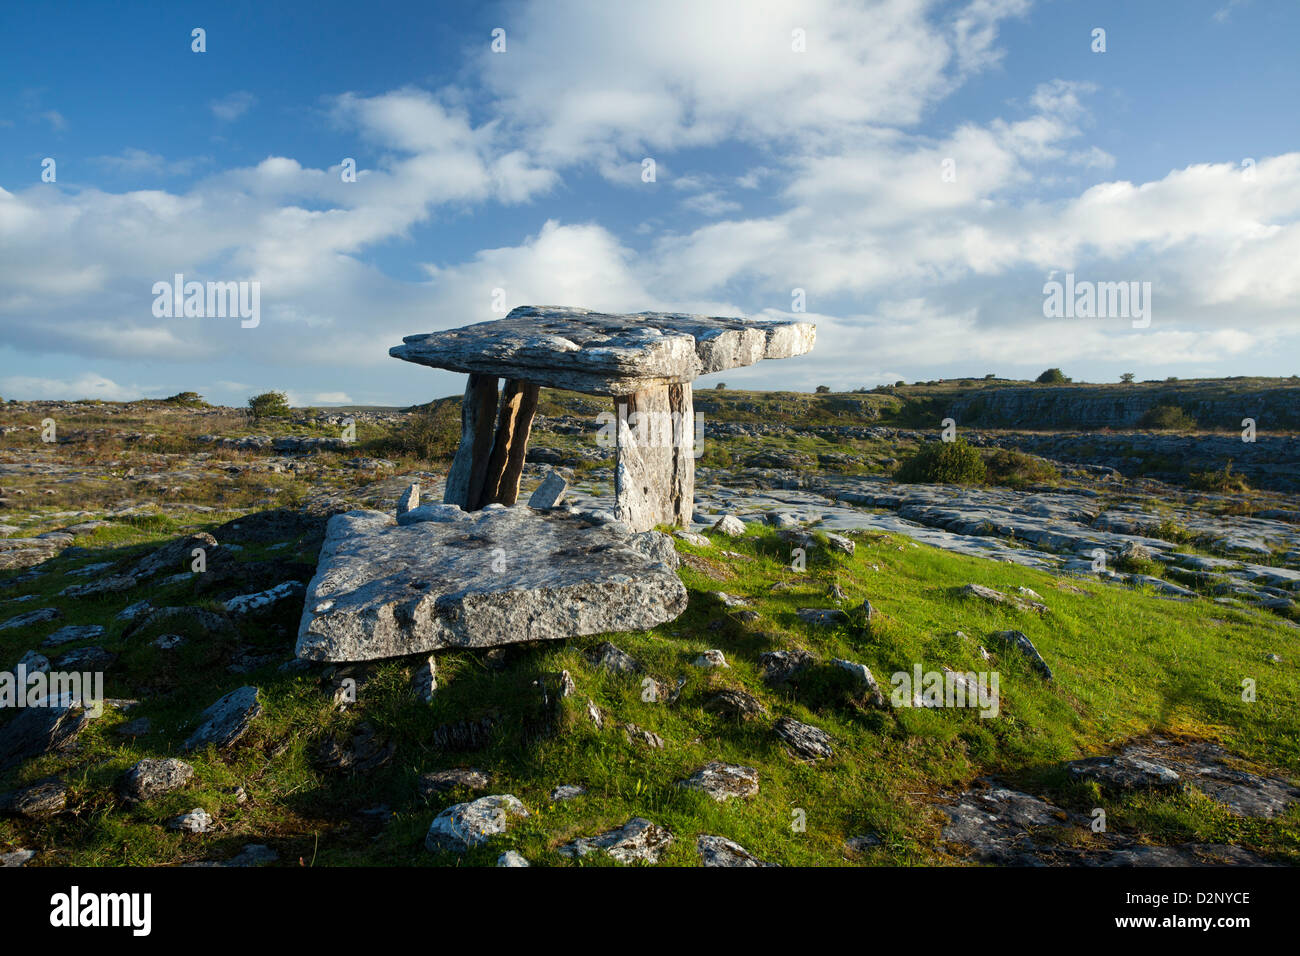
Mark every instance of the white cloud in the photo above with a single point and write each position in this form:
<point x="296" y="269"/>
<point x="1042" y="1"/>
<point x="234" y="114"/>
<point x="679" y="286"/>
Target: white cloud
<point x="233" y="105"/>
<point x="89" y="385"/>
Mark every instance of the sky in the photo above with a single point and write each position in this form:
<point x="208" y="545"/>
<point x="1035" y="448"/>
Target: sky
<point x="910" y="175"/>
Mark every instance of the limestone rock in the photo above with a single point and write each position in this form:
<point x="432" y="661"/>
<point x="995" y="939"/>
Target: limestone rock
<point x="711" y="658"/>
<point x="549" y="493"/>
<point x="804" y="739"/>
<point x="74" y="632"/>
<point x="864" y="678"/>
<point x="197" y="820"/>
<point x="36" y="801"/>
<point x="560" y="347"/>
<point x="467" y="825"/>
<point x="997" y="597"/>
<point x="32" y="618"/>
<point x="439" y="782"/>
<point x="567" y="791"/>
<point x="735" y="704"/>
<point x="1124" y="772"/>
<point x="485" y="578"/>
<point x="174" y="556"/>
<point x="247" y="603"/>
<point x="1018" y="640"/>
<point x="719" y="851"/>
<point x="730" y="525"/>
<point x="34" y="663"/>
<point x="723" y="781"/>
<point x="40" y="730"/>
<point x="512" y="858"/>
<point x="151" y="778"/>
<point x="228" y="720"/>
<point x="822" y="616"/>
<point x="636" y="841"/>
<point x="409" y="500"/>
<point x="782" y="667"/>
<point x="424" y="682"/>
<point x="608" y="657"/>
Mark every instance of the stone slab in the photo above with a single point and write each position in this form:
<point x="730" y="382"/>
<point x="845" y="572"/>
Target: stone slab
<point x="602" y="353"/>
<point x="480" y="579"/>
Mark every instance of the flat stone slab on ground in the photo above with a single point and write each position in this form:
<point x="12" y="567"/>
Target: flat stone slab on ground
<point x="479" y="579"/>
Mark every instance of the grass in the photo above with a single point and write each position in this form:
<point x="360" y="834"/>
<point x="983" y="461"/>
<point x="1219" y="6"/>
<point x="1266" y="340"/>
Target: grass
<point x="1126" y="664"/>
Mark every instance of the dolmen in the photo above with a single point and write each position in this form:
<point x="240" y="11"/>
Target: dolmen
<point x="480" y="570"/>
<point x="645" y="362"/>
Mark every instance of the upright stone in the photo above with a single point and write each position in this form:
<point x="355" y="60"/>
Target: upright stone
<point x="506" y="463"/>
<point x="409" y="500"/>
<point x="654" y="463"/>
<point x="469" y="468"/>
<point x="549" y="493"/>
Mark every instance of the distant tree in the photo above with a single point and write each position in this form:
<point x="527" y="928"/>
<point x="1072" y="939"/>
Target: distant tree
<point x="899" y="384"/>
<point x="269" y="405"/>
<point x="1053" y="376"/>
<point x="1127" y="378"/>
<point x="823" y="389"/>
<point x="720" y="386"/>
<point x="187" y="399"/>
<point x="990" y="375"/>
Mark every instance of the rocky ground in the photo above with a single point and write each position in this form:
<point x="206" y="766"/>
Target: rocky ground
<point x="219" y="747"/>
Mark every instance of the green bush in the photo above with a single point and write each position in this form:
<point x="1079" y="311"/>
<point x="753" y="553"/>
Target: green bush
<point x="1168" y="418"/>
<point x="269" y="405"/>
<point x="1014" y="469"/>
<point x="1053" y="376"/>
<point x="186" y="400"/>
<point x="1224" y="480"/>
<point x="431" y="433"/>
<point x="955" y="463"/>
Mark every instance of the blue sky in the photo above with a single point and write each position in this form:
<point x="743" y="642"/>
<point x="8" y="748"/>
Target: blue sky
<point x="521" y="170"/>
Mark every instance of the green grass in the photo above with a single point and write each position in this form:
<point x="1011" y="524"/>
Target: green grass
<point x="1126" y="664"/>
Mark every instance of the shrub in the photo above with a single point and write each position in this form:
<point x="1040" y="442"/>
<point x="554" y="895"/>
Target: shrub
<point x="1223" y="480"/>
<point x="186" y="400"/>
<point x="1168" y="418"/>
<point x="720" y="386"/>
<point x="1053" y="376"/>
<point x="1014" y="469"/>
<point x="269" y="405"/>
<point x="1127" y="378"/>
<point x="430" y="433"/>
<point x="823" y="389"/>
<point x="956" y="463"/>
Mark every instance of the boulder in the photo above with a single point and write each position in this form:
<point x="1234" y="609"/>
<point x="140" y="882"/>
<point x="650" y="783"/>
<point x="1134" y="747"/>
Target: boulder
<point x="151" y="778"/>
<point x="637" y="841"/>
<point x="479" y="579"/>
<point x="723" y="781"/>
<point x="719" y="851"/>
<point x="36" y="801"/>
<point x="228" y="720"/>
<point x="805" y="740"/>
<point x="1020" y="642"/>
<point x="467" y="825"/>
<point x="549" y="493"/>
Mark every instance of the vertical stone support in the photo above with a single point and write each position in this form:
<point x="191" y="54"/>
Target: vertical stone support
<point x="654" y="463"/>
<point x="469" y="468"/>
<point x="510" y="445"/>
